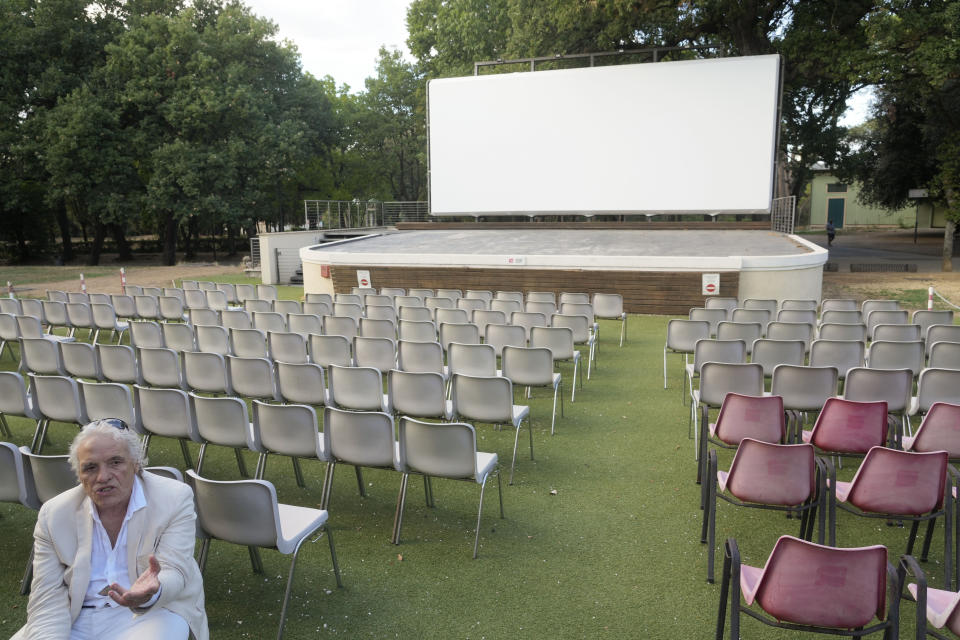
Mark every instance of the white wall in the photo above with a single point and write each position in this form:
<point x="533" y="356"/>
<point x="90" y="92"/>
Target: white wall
<point x="289" y="244"/>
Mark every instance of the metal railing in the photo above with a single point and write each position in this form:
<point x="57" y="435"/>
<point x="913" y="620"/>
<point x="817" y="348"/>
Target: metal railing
<point x="782" y="214"/>
<point x="255" y="252"/>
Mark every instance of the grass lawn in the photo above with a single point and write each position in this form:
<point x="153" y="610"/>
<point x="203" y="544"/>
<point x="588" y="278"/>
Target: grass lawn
<point x="601" y="536"/>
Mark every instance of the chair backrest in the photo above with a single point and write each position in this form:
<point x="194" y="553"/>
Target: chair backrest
<point x="236" y="319"/>
<point x="762" y="316"/>
<point x="421" y="330"/>
<point x="269" y="321"/>
<point x="199" y="317"/>
<point x="892" y="386"/>
<point x="348" y="298"/>
<point x="109" y="400"/>
<point x="361" y="438"/>
<point x="841" y="316"/>
<point x="254" y="305"/>
<point x="166" y="413"/>
<point x="506" y="306"/>
<point x="238" y="511"/>
<point x="483" y="317"/>
<point x="758" y="417"/>
<point x="483" y="398"/>
<point x="30" y="327"/>
<point x="941" y="333"/>
<point x="444" y="449"/>
<point x="318" y="308"/>
<point x="464" y="333"/>
<point x="719" y="302"/>
<point x="392" y="291"/>
<point x="760" y="303"/>
<point x="541" y="296"/>
<point x="229" y="290"/>
<point x="749" y="332"/>
<point x="420" y="357"/>
<point x="884" y="316"/>
<point x="215" y="339"/>
<point x="188" y="284"/>
<point x="225" y="421"/>
<point x="799" y="304"/>
<point x="840" y="331"/>
<point x="39" y="355"/>
<point x="945" y="355"/>
<point x="807" y="316"/>
<point x="57" y="296"/>
<point x="379" y="353"/>
<point x="528" y="367"/>
<point x="770" y="473"/>
<point x="478" y="294"/>
<point x="407" y="301"/>
<point x="170" y="308"/>
<point x="717" y="379"/>
<point x="472" y="359"/>
<point x="55" y="312"/>
<point x="420" y="293"/>
<point x="841" y="354"/>
<point x="883" y="354"/>
<point x="16" y="479"/>
<point x="578" y="309"/>
<point x="470" y="304"/>
<point x="558" y="339"/>
<point x="897" y="332"/>
<point x="104" y="316"/>
<point x="80" y="360"/>
<point x="421" y="395"/>
<point x="812" y="584"/>
<point x="415" y="314"/>
<point x="252" y="377"/>
<point x="179" y="336"/>
<point x="206" y="372"/>
<point x="8" y="327"/>
<point x="937" y="385"/>
<point x="712" y="316"/>
<point x="451" y="315"/>
<point x="358" y="388"/>
<point x="345" y="326"/>
<point x="267" y="292"/>
<point x="348" y="309"/>
<point x="574" y="297"/>
<point x="580" y="325"/>
<point x="248" y="343"/>
<point x="453" y="294"/>
<point x="288" y="429"/>
<point x="79" y="314"/>
<point x="771" y="353"/>
<point x="301" y="383"/>
<point x="380" y="313"/>
<point x="34" y="308"/>
<point x="838" y="304"/>
<point x="501" y="335"/>
<point x="778" y="330"/>
<point x="528" y="320"/>
<point x="333" y="349"/>
<point x="849" y="426"/>
<point x="939" y="431"/>
<point x="546" y="308"/>
<point x="608" y="305"/>
<point x="928" y="317"/>
<point x="437" y="302"/>
<point x="372" y="300"/>
<point x="195" y="299"/>
<point x="869" y="306"/>
<point x="14" y="397"/>
<point x="718" y="351"/>
<point x="304" y="324"/>
<point x="318" y="297"/>
<point x="901" y="482"/>
<point x="287" y="307"/>
<point x="118" y="362"/>
<point x="804" y="388"/>
<point x="146" y="333"/>
<point x="377" y="328"/>
<point x="51" y="475"/>
<point x="515" y="296"/>
<point x="286" y="346"/>
<point x="160" y="367"/>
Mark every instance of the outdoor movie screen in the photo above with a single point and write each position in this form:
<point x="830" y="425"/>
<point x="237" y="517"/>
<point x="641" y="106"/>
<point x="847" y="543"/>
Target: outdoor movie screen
<point x="694" y="136"/>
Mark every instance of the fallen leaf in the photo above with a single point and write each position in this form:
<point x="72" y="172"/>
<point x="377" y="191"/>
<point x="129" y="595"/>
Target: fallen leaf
<point x="553" y="492"/>
<point x="400" y="557"/>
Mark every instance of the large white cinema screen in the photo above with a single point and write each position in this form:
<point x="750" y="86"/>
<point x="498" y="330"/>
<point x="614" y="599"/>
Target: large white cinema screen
<point x="694" y="136"/>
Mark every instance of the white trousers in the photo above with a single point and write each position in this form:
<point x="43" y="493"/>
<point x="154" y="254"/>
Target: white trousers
<point x="119" y="623"/>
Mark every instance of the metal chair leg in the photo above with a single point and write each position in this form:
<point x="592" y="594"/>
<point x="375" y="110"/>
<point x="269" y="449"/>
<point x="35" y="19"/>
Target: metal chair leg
<point x="398" y="515"/>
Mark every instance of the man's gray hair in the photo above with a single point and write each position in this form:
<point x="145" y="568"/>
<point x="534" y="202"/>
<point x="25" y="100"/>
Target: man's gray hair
<point x="107" y="427"/>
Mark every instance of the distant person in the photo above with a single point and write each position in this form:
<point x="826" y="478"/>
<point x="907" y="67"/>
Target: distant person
<point x="831" y="233"/>
<point x="113" y="557"/>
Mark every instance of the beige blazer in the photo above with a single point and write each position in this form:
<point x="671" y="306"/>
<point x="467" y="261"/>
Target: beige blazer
<point x="63" y="541"/>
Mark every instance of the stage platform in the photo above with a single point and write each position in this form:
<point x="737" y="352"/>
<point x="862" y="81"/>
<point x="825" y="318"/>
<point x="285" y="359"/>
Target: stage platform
<point x="656" y="271"/>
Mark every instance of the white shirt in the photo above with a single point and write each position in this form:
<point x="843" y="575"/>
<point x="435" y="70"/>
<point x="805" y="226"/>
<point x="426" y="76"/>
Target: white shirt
<point x="108" y="564"/>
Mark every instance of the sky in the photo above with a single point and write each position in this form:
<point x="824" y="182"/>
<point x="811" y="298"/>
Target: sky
<point x="339" y="38"/>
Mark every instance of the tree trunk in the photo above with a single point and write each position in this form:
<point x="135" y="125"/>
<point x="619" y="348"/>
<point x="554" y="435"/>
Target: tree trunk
<point x="188" y="239"/>
<point x="99" y="233"/>
<point x="948" y="231"/>
<point x="170" y="240"/>
<point x="120" y="239"/>
<point x="66" y="244"/>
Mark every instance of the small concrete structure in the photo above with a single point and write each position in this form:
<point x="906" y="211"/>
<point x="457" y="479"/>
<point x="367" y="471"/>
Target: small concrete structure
<point x="656" y="271"/>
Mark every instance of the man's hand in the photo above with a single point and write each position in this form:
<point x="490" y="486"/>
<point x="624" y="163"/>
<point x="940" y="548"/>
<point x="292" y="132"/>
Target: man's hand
<point x="142" y="590"/>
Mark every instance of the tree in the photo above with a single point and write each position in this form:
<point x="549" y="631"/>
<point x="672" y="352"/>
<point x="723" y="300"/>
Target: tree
<point x="914" y="137"/>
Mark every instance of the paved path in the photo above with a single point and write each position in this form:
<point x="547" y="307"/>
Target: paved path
<point x="889" y="246"/>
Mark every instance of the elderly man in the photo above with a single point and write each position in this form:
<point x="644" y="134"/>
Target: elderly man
<point x="113" y="558"/>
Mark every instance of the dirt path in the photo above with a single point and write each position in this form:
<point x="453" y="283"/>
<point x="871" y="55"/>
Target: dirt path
<point x="863" y="286"/>
<point x="149" y="276"/>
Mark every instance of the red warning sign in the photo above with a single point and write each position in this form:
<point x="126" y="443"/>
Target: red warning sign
<point x="711" y="288"/>
<point x="364" y="282"/>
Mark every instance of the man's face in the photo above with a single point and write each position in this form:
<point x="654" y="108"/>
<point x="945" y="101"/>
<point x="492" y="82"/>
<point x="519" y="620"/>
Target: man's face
<point x="106" y="472"/>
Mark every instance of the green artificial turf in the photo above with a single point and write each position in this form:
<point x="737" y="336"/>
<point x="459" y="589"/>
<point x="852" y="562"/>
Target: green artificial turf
<point x="601" y="536"/>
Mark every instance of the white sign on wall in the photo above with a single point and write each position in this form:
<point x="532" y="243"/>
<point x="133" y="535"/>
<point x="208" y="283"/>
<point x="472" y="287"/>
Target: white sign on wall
<point x="363" y="279"/>
<point x="711" y="284"/>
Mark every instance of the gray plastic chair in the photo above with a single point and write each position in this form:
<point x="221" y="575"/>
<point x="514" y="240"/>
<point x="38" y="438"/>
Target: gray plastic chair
<point x="147" y="307"/>
<point x="248" y="343"/>
<point x="803" y="389"/>
<point x="236" y="319"/>
<point x="105" y="318"/>
<point x="380" y="313"/>
<point x="305" y="324"/>
<point x="778" y="330"/>
<point x="415" y="313"/>
<point x="533" y="367"/>
<point x="80" y="317"/>
<point x="484" y="317"/>
<point x="770" y="353"/>
<point x="286" y="307"/>
<point x="408" y="301"/>
<point x="348" y="310"/>
<point x="490" y="400"/>
<point x="393" y="291"/>
<point x="437" y="302"/>
<point x="515" y="296"/>
<point x="246" y="292"/>
<point x="941" y="333"/>
<point x="166" y="413"/>
<point x="883" y="316"/>
<point x="935" y="385"/>
<point x="378" y="328"/>
<point x="55" y="313"/>
<point x="39" y="355"/>
<point x="118" y="362"/>
<point x="897" y="333"/>
<point x="286" y="347"/>
<point x="868" y="306"/>
<point x="610" y="306"/>
<point x="58" y="296"/>
<point x="559" y="340"/>
<point x="288" y="430"/>
<point x="358" y="438"/>
<point x="11" y="306"/>
<point x="171" y="308"/>
<point x="179" y="336"/>
<point x="472" y="359"/>
<point x="442" y="315"/>
<point x="247" y="512"/>
<point x="422" y="331"/>
<point x="542" y="296"/>
<point x="420" y="395"/>
<point x="16" y="400"/>
<point x="329" y="350"/>
<point x="9" y="333"/>
<point x="301" y="383"/>
<point x="838" y="304"/>
<point x="506" y="306"/>
<point x="718" y="302"/>
<point x="345" y="326"/>
<point x="30" y="327"/>
<point x="528" y="321"/>
<point x="763" y="316"/>
<point x="229" y="290"/>
<point x="707" y="350"/>
<point x="799" y="304"/>
<point x="502" y="335"/>
<point x="146" y="333"/>
<point x="927" y="318"/>
<point x="379" y="353"/>
<point x="34" y="308"/>
<point x="573" y="297"/>
<point x="16" y="479"/>
<point x="443" y="450"/>
<point x="944" y="355"/>
<point x="269" y="321"/>
<point x="808" y="316"/>
<point x="896" y="355"/>
<point x="841" y="354"/>
<point x="461" y="333"/>
<point x="841" y="316"/>
<point x="195" y="299"/>
<point x="56" y="399"/>
<point x="893" y="386"/>
<point x="545" y="307"/>
<point x="348" y="298"/>
<point x="198" y="317"/>
<point x="206" y="372"/>
<point x="213" y="339"/>
<point x="160" y="367"/>
<point x="108" y="400"/>
<point x="582" y="334"/>
<point x="842" y="331"/>
<point x="357" y="388"/>
<point x="453" y="294"/>
<point x="471" y="304"/>
<point x="318" y="297"/>
<point x="267" y="292"/>
<point x="746" y="331"/>
<point x="479" y="294"/>
<point x="225" y="422"/>
<point x="252" y="377"/>
<point x="761" y="303"/>
<point x="420" y="357"/>
<point x="713" y="317"/>
<point x="377" y="300"/>
<point x="255" y="305"/>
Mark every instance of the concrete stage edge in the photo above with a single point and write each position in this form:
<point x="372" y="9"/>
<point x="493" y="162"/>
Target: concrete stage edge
<point x="656" y="271"/>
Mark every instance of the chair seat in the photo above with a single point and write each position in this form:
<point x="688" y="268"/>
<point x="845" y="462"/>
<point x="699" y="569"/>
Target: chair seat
<point x="295" y="521"/>
<point x="940" y="604"/>
<point x="55" y="338"/>
<point x="486" y="463"/>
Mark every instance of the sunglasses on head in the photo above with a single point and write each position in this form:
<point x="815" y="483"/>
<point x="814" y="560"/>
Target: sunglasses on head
<point x="116" y="423"/>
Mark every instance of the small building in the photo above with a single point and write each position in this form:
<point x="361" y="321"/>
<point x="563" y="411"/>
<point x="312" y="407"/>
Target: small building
<point x="831" y="199"/>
